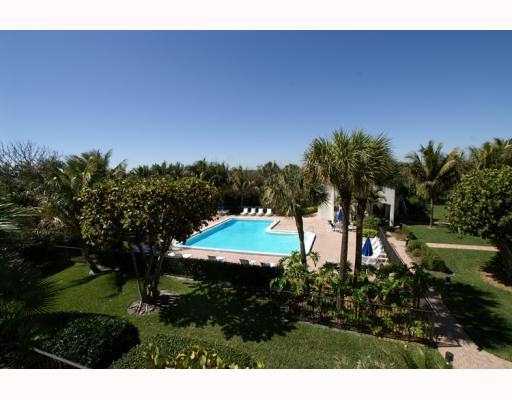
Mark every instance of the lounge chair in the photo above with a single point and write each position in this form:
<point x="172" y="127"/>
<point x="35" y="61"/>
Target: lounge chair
<point x="260" y="212"/>
<point x="172" y="254"/>
<point x="253" y="211"/>
<point x="245" y="211"/>
<point x="268" y="213"/>
<point x="244" y="261"/>
<point x="268" y="264"/>
<point x="215" y="258"/>
<point x="352" y="227"/>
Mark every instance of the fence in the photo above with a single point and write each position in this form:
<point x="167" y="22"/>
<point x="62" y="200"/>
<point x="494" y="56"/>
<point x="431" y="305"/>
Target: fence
<point x="393" y="256"/>
<point x="399" y="322"/>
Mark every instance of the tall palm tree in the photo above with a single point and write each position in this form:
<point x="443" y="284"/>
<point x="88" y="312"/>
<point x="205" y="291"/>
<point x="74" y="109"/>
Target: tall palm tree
<point x="291" y="191"/>
<point x="494" y="154"/>
<point x="374" y="166"/>
<point x="334" y="161"/>
<point x="64" y="206"/>
<point x="431" y="171"/>
<point x="242" y="183"/>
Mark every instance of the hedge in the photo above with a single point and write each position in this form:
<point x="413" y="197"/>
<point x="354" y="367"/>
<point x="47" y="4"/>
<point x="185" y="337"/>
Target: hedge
<point x="369" y="232"/>
<point x="92" y="340"/>
<point x="209" y="270"/>
<point x="170" y="345"/>
<point x="427" y="258"/>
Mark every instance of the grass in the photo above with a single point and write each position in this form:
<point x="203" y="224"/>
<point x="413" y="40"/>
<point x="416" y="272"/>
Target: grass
<point x="440" y="213"/>
<point x="484" y="309"/>
<point x="241" y="320"/>
<point x="442" y="234"/>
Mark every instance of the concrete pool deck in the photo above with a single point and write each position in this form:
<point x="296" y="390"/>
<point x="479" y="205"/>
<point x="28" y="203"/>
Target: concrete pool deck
<point x="327" y="242"/>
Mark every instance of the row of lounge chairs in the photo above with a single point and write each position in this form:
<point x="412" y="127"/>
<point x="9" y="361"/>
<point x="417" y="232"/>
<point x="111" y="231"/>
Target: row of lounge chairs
<point x="243" y="261"/>
<point x="259" y="213"/>
<point x="379" y="256"/>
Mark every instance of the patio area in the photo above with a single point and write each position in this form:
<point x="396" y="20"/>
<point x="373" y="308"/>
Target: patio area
<point x="327" y="242"/>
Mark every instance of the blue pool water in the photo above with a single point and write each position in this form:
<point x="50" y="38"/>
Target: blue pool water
<point x="248" y="236"/>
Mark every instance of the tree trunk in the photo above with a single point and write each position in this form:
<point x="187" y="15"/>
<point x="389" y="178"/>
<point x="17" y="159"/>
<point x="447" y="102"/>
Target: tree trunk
<point x="431" y="212"/>
<point x="506" y="250"/>
<point x="90" y="260"/>
<point x="300" y="230"/>
<point x="360" y="209"/>
<point x="345" y="206"/>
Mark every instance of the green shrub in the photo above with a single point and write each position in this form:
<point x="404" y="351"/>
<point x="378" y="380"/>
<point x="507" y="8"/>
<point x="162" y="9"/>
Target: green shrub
<point x="171" y="345"/>
<point x="427" y="258"/>
<point x="369" y="232"/>
<point x="92" y="340"/>
<point x="310" y="210"/>
<point x="207" y="270"/>
<point x="371" y="222"/>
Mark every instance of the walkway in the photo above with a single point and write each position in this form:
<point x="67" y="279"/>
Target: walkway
<point x="461" y="246"/>
<point x="452" y="336"/>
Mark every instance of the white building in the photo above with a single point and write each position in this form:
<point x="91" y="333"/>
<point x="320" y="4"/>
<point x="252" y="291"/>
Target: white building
<point x="389" y="199"/>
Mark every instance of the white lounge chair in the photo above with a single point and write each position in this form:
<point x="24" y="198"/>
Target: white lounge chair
<point x="244" y="261"/>
<point x="268" y="264"/>
<point x="253" y="211"/>
<point x="245" y="211"/>
<point x="172" y="254"/>
<point x="215" y="258"/>
<point x="260" y="212"/>
<point x="268" y="213"/>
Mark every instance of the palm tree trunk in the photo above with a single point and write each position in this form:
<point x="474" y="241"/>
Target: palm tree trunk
<point x="345" y="206"/>
<point x="431" y="212"/>
<point x="300" y="230"/>
<point x="360" y="209"/>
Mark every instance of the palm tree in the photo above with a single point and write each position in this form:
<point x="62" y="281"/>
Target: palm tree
<point x="64" y="207"/>
<point x="242" y="183"/>
<point x="494" y="154"/>
<point x="334" y="161"/>
<point x="431" y="171"/>
<point x="291" y="191"/>
<point x="374" y="166"/>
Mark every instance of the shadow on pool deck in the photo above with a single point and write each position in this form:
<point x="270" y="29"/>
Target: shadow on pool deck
<point x="237" y="311"/>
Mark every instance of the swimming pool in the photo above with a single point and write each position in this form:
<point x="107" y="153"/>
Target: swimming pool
<point x="253" y="236"/>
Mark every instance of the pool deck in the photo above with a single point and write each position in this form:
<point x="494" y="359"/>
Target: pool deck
<point x="327" y="243"/>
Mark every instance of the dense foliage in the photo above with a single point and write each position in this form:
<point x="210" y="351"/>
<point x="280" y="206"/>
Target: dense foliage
<point x="481" y="204"/>
<point x="170" y="346"/>
<point x="254" y="276"/>
<point x="148" y="214"/>
<point x="92" y="340"/>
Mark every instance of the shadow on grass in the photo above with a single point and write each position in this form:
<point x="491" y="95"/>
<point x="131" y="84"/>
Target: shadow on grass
<point x="237" y="311"/>
<point x="498" y="270"/>
<point x="474" y="309"/>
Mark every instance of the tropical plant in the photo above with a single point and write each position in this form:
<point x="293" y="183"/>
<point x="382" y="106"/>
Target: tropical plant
<point x="432" y="171"/>
<point x="481" y="204"/>
<point x="334" y="161"/>
<point x="64" y="206"/>
<point x="291" y="191"/>
<point x="295" y="276"/>
<point x="148" y="214"/>
<point x="494" y="154"/>
<point x="242" y="183"/>
<point x="374" y="165"/>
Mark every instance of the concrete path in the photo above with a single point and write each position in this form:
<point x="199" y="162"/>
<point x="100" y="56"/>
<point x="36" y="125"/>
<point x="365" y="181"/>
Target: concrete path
<point x="461" y="246"/>
<point x="466" y="353"/>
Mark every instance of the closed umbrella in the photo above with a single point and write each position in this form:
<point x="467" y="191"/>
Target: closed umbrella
<point x="367" y="248"/>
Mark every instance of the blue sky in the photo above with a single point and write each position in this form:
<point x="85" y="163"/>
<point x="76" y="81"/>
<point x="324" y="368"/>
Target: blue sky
<point x="249" y="97"/>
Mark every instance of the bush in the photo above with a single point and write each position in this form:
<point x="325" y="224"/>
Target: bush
<point x="310" y="210"/>
<point x="371" y="222"/>
<point x="170" y="345"/>
<point x="427" y="258"/>
<point x="369" y="232"/>
<point x="207" y="270"/>
<point x="92" y="340"/>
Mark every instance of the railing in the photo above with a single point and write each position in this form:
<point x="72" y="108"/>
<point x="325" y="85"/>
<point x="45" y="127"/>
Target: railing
<point x="393" y="256"/>
<point x="399" y="322"/>
<point x="43" y="360"/>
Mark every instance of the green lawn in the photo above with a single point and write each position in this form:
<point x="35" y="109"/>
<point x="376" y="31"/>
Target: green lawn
<point x="241" y="320"/>
<point x="442" y="234"/>
<point x="440" y="212"/>
<point x="484" y="309"/>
